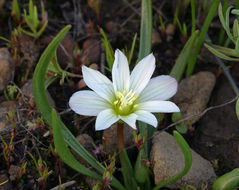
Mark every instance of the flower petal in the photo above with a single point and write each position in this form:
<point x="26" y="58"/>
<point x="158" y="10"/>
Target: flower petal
<point x="147" y="117"/>
<point x="159" y="106"/>
<point x="98" y="82"/>
<point x="142" y="73"/>
<point x="120" y="72"/>
<point x="159" y="88"/>
<point x="130" y="120"/>
<point x="105" y="119"/>
<point x="87" y="102"/>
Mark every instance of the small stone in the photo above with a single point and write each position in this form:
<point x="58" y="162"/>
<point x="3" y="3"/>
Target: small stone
<point x="5" y="183"/>
<point x="6" y="107"/>
<point x="111" y="27"/>
<point x="156" y="38"/>
<point x="86" y="141"/>
<point x="27" y="91"/>
<point x="110" y="138"/>
<point x="170" y="29"/>
<point x="193" y="95"/>
<point x="65" y="51"/>
<point x="13" y="172"/>
<point x="6" y="68"/>
<point x="168" y="160"/>
<point x="91" y="48"/>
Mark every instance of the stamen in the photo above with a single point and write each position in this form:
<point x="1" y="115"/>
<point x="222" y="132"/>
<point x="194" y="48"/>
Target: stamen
<point x="116" y="102"/>
<point x="124" y="92"/>
<point x="118" y="94"/>
<point x="136" y="105"/>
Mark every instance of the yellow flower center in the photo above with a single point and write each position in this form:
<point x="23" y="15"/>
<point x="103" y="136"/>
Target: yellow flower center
<point x="124" y="103"/>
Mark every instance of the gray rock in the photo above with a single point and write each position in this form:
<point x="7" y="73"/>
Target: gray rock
<point x="110" y="138"/>
<point x="6" y="107"/>
<point x="168" y="160"/>
<point x="6" y="68"/>
<point x="193" y="94"/>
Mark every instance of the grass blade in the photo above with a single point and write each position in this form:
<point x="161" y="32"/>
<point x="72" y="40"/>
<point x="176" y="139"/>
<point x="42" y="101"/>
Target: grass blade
<point x="182" y="60"/>
<point x="145" y="29"/>
<point x="201" y="37"/>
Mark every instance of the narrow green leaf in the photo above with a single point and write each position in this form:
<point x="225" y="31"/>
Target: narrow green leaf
<point x="219" y="54"/>
<point x="201" y="38"/>
<point x="193" y="12"/>
<point x="145" y="29"/>
<point x="235" y="11"/>
<point x="16" y="10"/>
<point x="225" y="50"/>
<point x="237" y="108"/>
<point x="228" y="181"/>
<point x="132" y="48"/>
<point x="182" y="60"/>
<point x="223" y="22"/>
<point x="127" y="171"/>
<point x="108" y="49"/>
<point x="65" y="153"/>
<point x="187" y="160"/>
<point x="39" y="33"/>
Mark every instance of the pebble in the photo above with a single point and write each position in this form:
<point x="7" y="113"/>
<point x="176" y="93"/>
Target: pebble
<point x="156" y="38"/>
<point x="6" y="68"/>
<point x="168" y="160"/>
<point x="193" y="94"/>
<point x="91" y="51"/>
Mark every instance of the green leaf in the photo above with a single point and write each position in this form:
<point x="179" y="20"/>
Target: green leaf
<point x="187" y="160"/>
<point x="235" y="29"/>
<point x="181" y="128"/>
<point x="235" y="11"/>
<point x="225" y="50"/>
<point x="108" y="50"/>
<point x="219" y="54"/>
<point x="141" y="172"/>
<point x="132" y="48"/>
<point x="228" y="181"/>
<point x="237" y="108"/>
<point x="182" y="60"/>
<point x="201" y="38"/>
<point x="145" y="29"/>
<point x="16" y="10"/>
<point x="224" y="23"/>
<point x="65" y="153"/>
<point x="45" y="109"/>
<point x="127" y="171"/>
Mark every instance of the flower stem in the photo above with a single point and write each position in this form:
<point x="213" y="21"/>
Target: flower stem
<point x="120" y="136"/>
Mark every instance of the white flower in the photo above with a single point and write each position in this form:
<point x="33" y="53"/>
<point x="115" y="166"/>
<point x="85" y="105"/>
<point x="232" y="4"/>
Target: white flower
<point x="129" y="97"/>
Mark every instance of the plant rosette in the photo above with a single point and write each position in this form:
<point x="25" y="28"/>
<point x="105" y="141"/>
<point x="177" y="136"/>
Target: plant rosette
<point x="128" y="97"/>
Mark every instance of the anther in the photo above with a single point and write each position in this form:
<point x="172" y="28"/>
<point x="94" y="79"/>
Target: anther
<point x="116" y="102"/>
